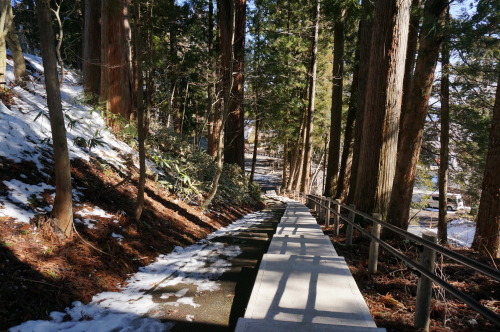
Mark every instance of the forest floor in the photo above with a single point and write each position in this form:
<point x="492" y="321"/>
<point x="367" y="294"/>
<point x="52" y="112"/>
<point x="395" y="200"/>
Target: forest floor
<point x="391" y="292"/>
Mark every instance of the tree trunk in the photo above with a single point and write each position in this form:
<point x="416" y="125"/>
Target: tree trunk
<point x="332" y="172"/>
<point x="413" y="124"/>
<point x="92" y="47"/>
<point x="63" y="209"/>
<point x="116" y="80"/>
<point x="226" y="38"/>
<point x="59" y="38"/>
<point x="364" y="46"/>
<point x="138" y="93"/>
<point x="306" y="171"/>
<point x="4" y="30"/>
<point x="214" y="125"/>
<point x="347" y="150"/>
<point x="444" y="150"/>
<point x="411" y="51"/>
<point x="234" y="151"/>
<point x="377" y="158"/>
<point x="255" y="145"/>
<point x="20" y="74"/>
<point x="487" y="237"/>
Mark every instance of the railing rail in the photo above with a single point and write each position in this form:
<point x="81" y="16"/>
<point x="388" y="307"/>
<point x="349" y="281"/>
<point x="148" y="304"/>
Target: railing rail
<point x="331" y="207"/>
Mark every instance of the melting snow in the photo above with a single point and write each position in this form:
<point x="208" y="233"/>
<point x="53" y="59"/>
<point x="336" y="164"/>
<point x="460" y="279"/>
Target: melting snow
<point x="199" y="265"/>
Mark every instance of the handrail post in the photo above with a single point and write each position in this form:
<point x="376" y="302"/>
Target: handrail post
<point x="373" y="257"/>
<point x="336" y="219"/>
<point x="424" y="288"/>
<point x="321" y="209"/>
<point x="350" y="227"/>
<point x="327" y="214"/>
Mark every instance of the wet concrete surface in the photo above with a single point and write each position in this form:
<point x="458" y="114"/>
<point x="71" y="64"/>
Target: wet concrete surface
<point x="219" y="310"/>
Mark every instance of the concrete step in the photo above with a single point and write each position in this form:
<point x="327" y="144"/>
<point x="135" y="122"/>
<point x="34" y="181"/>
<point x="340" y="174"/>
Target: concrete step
<point x="315" y="245"/>
<point x="253" y="325"/>
<point x="307" y="290"/>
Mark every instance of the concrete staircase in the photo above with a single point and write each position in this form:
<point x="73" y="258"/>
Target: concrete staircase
<point x="303" y="285"/>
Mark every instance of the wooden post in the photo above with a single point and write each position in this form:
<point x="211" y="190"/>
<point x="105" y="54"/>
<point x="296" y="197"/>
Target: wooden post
<point x="327" y="214"/>
<point x="336" y="219"/>
<point x="373" y="257"/>
<point x="350" y="227"/>
<point x="424" y="288"/>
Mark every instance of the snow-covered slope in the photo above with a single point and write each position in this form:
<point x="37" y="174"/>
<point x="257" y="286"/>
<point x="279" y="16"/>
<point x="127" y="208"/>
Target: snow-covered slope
<point x="26" y="137"/>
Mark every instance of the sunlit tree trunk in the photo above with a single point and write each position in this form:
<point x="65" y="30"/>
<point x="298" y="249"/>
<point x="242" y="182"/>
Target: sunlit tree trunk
<point x="92" y="47"/>
<point x="306" y="168"/>
<point x="377" y="159"/>
<point x="63" y="209"/>
<point x="487" y="237"/>
<point x="332" y="172"/>
<point x="4" y="30"/>
<point x="116" y="78"/>
<point x="20" y="74"/>
<point x="410" y="142"/>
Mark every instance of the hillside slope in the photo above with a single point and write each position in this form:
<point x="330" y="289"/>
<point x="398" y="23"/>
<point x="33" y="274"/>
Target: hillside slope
<point x="41" y="273"/>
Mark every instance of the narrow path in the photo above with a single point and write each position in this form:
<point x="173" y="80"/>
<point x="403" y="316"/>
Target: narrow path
<point x="303" y="285"/>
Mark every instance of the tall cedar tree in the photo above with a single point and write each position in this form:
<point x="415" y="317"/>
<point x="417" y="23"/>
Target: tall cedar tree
<point x="306" y="168"/>
<point x="332" y="171"/>
<point x="116" y="78"/>
<point x="92" y="47"/>
<point x="410" y="143"/>
<point x="63" y="209"/>
<point x="364" y="46"/>
<point x="487" y="237"/>
<point x="226" y="19"/>
<point x="234" y="139"/>
<point x="411" y="51"/>
<point x="377" y="159"/>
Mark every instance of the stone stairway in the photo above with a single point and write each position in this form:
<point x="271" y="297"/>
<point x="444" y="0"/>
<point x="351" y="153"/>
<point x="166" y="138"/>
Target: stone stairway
<point x="303" y="285"/>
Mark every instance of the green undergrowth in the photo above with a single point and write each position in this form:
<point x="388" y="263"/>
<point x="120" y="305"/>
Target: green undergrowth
<point x="188" y="171"/>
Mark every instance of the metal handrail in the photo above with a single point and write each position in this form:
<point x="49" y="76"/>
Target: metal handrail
<point x="477" y="306"/>
<point x="487" y="270"/>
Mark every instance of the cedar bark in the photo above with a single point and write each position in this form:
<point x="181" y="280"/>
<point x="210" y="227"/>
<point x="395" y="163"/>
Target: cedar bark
<point x="364" y="46"/>
<point x="444" y="150"/>
<point x="234" y="151"/>
<point x="345" y="171"/>
<point x="487" y="237"/>
<point x="377" y="158"/>
<point x="92" y="47"/>
<point x="413" y="122"/>
<point x="306" y="168"/>
<point x="410" y="58"/>
<point x="116" y="80"/>
<point x="332" y="171"/>
<point x="63" y="209"/>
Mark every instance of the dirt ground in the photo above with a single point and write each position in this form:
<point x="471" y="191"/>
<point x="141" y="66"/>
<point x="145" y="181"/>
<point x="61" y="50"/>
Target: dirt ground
<point x="391" y="292"/>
